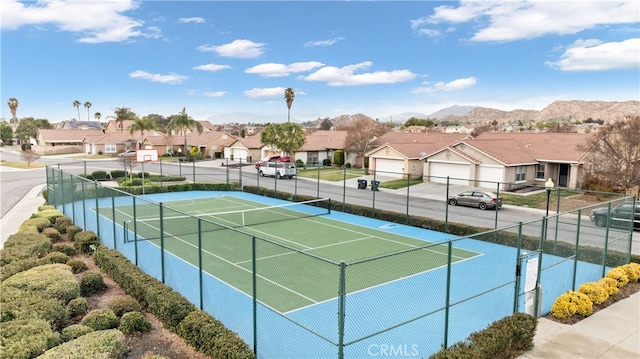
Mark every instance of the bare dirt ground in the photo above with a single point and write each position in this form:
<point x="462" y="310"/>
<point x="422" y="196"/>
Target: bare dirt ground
<point x="158" y="340"/>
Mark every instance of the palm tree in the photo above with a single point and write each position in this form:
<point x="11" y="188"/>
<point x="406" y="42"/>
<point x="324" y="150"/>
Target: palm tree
<point x="77" y="104"/>
<point x="143" y="124"/>
<point x="87" y="105"/>
<point x="289" y="94"/>
<point x="13" y="106"/>
<point x="97" y="116"/>
<point x="123" y="114"/>
<point x="182" y="123"/>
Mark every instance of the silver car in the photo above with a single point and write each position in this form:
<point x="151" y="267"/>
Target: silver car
<point x="476" y="198"/>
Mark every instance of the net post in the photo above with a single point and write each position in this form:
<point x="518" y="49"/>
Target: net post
<point x="329" y="207"/>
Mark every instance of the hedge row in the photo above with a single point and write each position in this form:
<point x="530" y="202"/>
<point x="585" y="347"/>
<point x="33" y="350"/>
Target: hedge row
<point x="199" y="329"/>
<point x="559" y="248"/>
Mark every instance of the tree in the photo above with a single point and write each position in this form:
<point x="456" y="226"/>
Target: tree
<point x="97" y="116"/>
<point x="123" y="114"/>
<point x="76" y="104"/>
<point x="143" y="124"/>
<point x="289" y="94"/>
<point x="29" y="156"/>
<point x="26" y="130"/>
<point x="616" y="154"/>
<point x="287" y="137"/>
<point x="13" y="107"/>
<point x="182" y="123"/>
<point x="87" y="105"/>
<point x="43" y="123"/>
<point x="6" y="133"/>
<point x="361" y="136"/>
<point x="326" y="124"/>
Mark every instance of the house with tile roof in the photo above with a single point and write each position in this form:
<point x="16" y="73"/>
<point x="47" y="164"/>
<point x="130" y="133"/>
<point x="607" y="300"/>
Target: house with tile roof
<point x="53" y="141"/>
<point x="79" y="125"/>
<point x="511" y="159"/>
<point x="323" y="144"/>
<point x="245" y="149"/>
<point x="402" y="154"/>
<point x="111" y="143"/>
<point x="113" y="126"/>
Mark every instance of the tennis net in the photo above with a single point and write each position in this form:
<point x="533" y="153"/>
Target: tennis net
<point x="180" y="223"/>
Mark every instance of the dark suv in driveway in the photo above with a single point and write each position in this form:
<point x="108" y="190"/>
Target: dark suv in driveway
<point x="620" y="216"/>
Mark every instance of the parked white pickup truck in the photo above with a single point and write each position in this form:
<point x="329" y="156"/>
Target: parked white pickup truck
<point x="278" y="169"/>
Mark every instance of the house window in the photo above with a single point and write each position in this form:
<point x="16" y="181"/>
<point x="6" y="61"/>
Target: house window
<point x="110" y="148"/>
<point x="521" y="173"/>
<point x="540" y="172"/>
<point x="312" y="157"/>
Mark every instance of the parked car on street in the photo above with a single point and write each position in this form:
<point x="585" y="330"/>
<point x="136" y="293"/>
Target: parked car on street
<point x="476" y="198"/>
<point x="619" y="216"/>
<point x="272" y="159"/>
<point x="128" y="154"/>
<point x="278" y="169"/>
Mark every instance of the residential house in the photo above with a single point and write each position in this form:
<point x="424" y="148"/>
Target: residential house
<point x="247" y="149"/>
<point x="54" y="141"/>
<point x="321" y="145"/>
<point x="113" y="126"/>
<point x="512" y="159"/>
<point x="79" y="125"/>
<point x="111" y="143"/>
<point x="401" y="154"/>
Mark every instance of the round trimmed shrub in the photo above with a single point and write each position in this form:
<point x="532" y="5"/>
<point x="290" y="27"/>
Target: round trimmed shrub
<point x="619" y="275"/>
<point x="72" y="231"/>
<point x="571" y="303"/>
<point x="100" y="319"/>
<point x="91" y="283"/>
<point x="52" y="234"/>
<point x="61" y="223"/>
<point x="124" y="304"/>
<point x="74" y="331"/>
<point x="27" y="338"/>
<point x="77" y="266"/>
<point x="66" y="249"/>
<point x="56" y="257"/>
<point x="86" y="242"/>
<point x="633" y="271"/>
<point x="596" y="292"/>
<point x="78" y="306"/>
<point x="610" y="285"/>
<point x="134" y="322"/>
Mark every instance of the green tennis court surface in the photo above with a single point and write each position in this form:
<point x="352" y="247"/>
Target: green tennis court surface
<point x="298" y="247"/>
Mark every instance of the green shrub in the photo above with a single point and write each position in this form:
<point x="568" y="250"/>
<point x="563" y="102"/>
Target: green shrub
<point x="100" y="319"/>
<point x="55" y="257"/>
<point x="99" y="344"/>
<point x="134" y="322"/>
<point x="45" y="207"/>
<point x="99" y="175"/>
<point x="91" y="283"/>
<point x="146" y="175"/>
<point x="326" y="162"/>
<point x="26" y="338"/>
<point x="77" y="307"/>
<point x="53" y="234"/>
<point x="210" y="336"/>
<point x="86" y="242"/>
<point x="62" y="223"/>
<point x="25" y="245"/>
<point x="338" y="158"/>
<point x="77" y="266"/>
<point x="49" y="214"/>
<point x="49" y="281"/>
<point x="115" y="174"/>
<point x="74" y="331"/>
<point x="66" y="249"/>
<point x="299" y="163"/>
<point x="22" y="265"/>
<point x="21" y="304"/>
<point x="348" y="164"/>
<point x="124" y="304"/>
<point x="39" y="223"/>
<point x="72" y="231"/>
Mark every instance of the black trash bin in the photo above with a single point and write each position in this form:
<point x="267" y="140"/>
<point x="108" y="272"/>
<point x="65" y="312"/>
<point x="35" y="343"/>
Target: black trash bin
<point x="374" y="185"/>
<point x="362" y="184"/>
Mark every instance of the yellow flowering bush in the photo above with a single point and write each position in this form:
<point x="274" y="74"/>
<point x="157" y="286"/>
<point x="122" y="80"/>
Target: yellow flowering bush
<point x="571" y="303"/>
<point x="620" y="276"/>
<point x="610" y="285"/>
<point x="633" y="271"/>
<point x="596" y="292"/>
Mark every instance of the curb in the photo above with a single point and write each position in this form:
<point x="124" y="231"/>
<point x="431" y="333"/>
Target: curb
<point x="11" y="222"/>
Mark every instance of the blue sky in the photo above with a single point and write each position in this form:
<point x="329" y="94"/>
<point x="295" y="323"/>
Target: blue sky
<point x="228" y="61"/>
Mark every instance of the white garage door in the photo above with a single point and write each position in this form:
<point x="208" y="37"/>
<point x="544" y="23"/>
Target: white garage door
<point x="489" y="175"/>
<point x="240" y="154"/>
<point x="389" y="168"/>
<point x="458" y="173"/>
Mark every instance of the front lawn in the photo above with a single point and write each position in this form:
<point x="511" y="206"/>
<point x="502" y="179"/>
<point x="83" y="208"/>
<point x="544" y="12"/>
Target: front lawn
<point x="331" y="173"/>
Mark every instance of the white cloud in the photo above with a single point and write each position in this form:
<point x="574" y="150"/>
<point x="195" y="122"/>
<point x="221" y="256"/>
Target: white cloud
<point x="345" y="76"/>
<point x="171" y="78"/>
<point x="238" y="48"/>
<point x="214" y="94"/>
<point x="595" y="55"/>
<point x="195" y="20"/>
<point x="458" y="84"/>
<point x="323" y="42"/>
<point x="264" y="92"/>
<point x="280" y="70"/>
<point x="95" y="21"/>
<point x="211" y="67"/>
<point x="525" y="19"/>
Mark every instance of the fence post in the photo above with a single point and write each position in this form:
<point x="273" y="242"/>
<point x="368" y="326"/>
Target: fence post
<point x="200" y="261"/>
<point x="575" y="260"/>
<point x="318" y="183"/>
<point x="193" y="186"/>
<point x="447" y="294"/>
<point x="408" y="186"/>
<point x="446" y="209"/>
<point x="95" y="183"/>
<point x="135" y="231"/>
<point x="113" y="219"/>
<point x="516" y="289"/>
<point x="84" y="203"/>
<point x="254" y="295"/>
<point x="341" y="309"/>
<point x="162" y="241"/>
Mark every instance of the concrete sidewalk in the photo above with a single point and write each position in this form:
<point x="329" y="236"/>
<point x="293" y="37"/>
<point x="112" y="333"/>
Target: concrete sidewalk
<point x="11" y="222"/>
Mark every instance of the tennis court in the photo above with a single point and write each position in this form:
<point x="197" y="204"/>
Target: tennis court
<point x="301" y="239"/>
